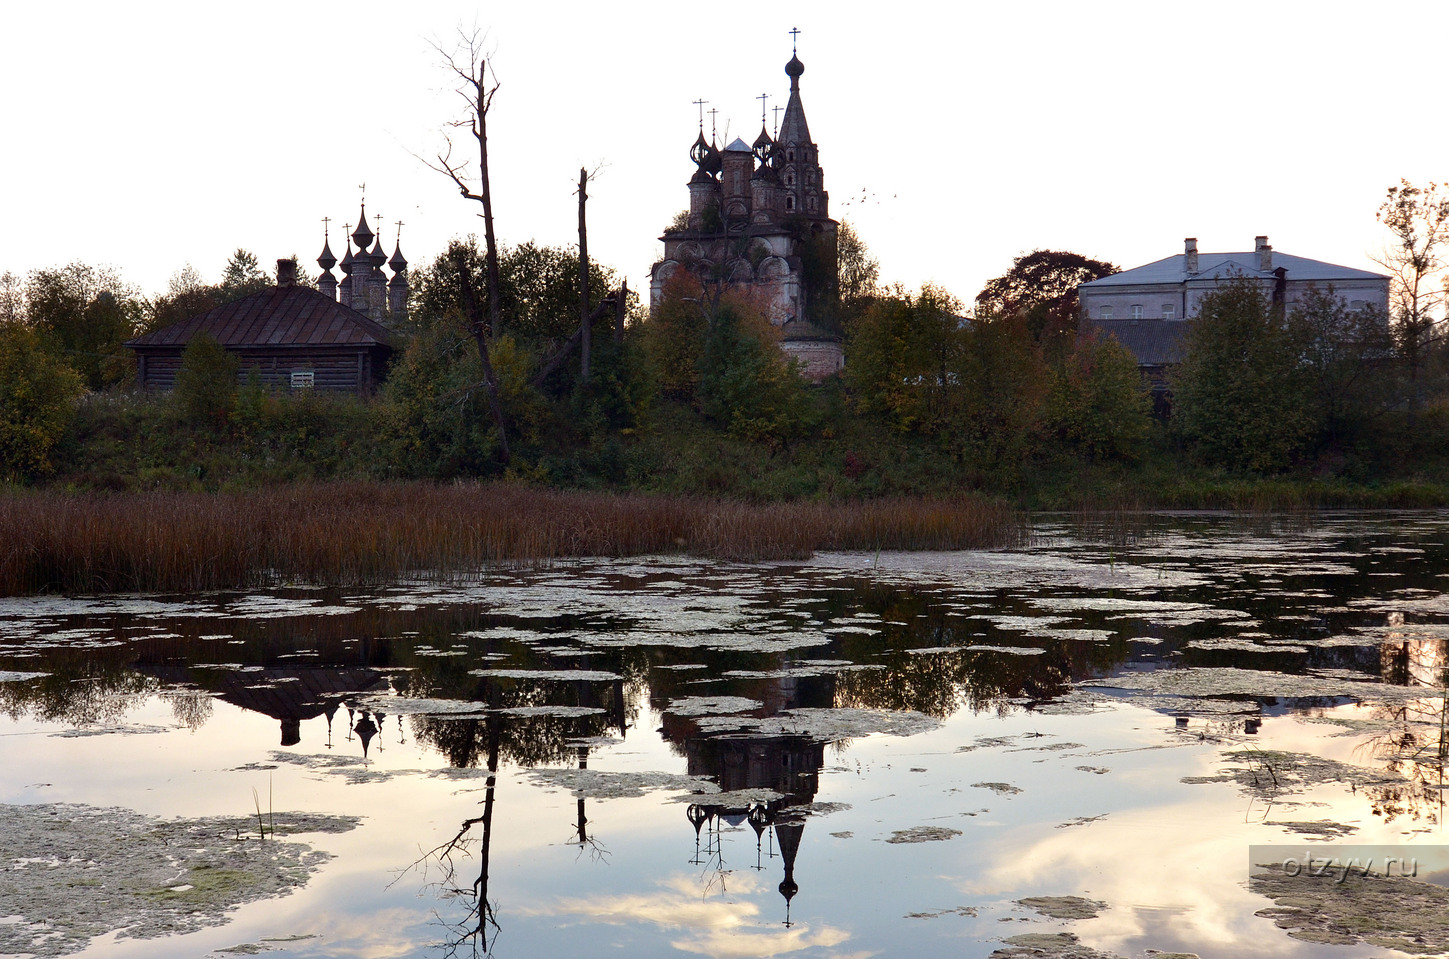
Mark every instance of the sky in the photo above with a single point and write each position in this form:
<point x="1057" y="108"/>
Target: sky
<point x="148" y="136"/>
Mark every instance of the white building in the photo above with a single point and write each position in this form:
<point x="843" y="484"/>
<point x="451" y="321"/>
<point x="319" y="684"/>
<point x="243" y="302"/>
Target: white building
<point x="1144" y="307"/>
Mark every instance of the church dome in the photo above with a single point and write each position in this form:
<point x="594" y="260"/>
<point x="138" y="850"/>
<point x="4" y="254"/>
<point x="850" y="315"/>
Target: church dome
<point x="794" y="68"/>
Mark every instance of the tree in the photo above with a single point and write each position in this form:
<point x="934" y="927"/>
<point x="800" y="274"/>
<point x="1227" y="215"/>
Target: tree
<point x="1418" y="219"/>
<point x="37" y="399"/>
<point x="906" y="354"/>
<point x="1041" y="286"/>
<point x="243" y="276"/>
<point x="477" y="85"/>
<point x="83" y="315"/>
<point x="206" y="382"/>
<point x="1098" y="404"/>
<point x="1345" y="357"/>
<point x="1240" y="396"/>
<point x="859" y="272"/>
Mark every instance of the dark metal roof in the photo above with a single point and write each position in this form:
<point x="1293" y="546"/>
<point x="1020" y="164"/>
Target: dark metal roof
<point x="279" y="316"/>
<point x="1153" y="342"/>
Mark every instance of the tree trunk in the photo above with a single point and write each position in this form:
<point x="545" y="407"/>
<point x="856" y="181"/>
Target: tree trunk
<point x="620" y="303"/>
<point x="485" y="196"/>
<point x="480" y="335"/>
<point x="585" y="342"/>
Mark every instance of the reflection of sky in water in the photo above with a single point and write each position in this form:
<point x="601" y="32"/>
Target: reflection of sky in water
<point x="194" y="702"/>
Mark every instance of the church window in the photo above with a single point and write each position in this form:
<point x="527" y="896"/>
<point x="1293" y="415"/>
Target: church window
<point x="812" y="204"/>
<point x="1169" y="311"/>
<point x="789" y="203"/>
<point x="789" y="179"/>
<point x="1105" y="313"/>
<point x="1136" y="311"/>
<point x="790" y="156"/>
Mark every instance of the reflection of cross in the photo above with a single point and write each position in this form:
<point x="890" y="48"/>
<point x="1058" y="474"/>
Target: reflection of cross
<point x="777" y="121"/>
<point x="794" y="37"/>
<point x="762" y="98"/>
<point x="700" y="104"/>
<point x="711" y="125"/>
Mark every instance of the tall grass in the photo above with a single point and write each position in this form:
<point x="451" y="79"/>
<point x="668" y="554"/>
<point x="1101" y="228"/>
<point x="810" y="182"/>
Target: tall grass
<point x="357" y="533"/>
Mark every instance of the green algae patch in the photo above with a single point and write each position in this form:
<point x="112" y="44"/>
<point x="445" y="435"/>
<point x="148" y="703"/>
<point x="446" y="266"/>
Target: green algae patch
<point x="1389" y="912"/>
<point x="1063" y="907"/>
<point x="142" y="877"/>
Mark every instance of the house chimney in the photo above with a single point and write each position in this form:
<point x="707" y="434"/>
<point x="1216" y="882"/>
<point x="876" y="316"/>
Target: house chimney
<point x="1190" y="248"/>
<point x="1265" y="253"/>
<point x="286" y="272"/>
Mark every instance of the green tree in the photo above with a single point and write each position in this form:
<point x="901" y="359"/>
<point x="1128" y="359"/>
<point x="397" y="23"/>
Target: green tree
<point x="243" y="276"/>
<point x="206" y="383"/>
<point x="1098" y="405"/>
<point x="1240" y="397"/>
<point x="1345" y="357"/>
<point x="83" y="315"/>
<point x="906" y="354"/>
<point x="859" y="272"/>
<point x="746" y="383"/>
<point x="37" y="399"/>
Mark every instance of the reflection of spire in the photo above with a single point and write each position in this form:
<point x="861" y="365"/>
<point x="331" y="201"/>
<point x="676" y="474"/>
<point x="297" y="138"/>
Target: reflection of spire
<point x="698" y="816"/>
<point x="365" y="730"/>
<point x="329" y="712"/>
<point x="759" y="819"/>
<point x="583" y="818"/>
<point x="790" y="833"/>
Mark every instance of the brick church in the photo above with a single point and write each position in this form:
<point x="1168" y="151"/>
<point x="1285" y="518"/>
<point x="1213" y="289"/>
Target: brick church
<point x="759" y="222"/>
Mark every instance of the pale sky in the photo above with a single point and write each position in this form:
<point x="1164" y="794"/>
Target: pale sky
<point x="953" y="137"/>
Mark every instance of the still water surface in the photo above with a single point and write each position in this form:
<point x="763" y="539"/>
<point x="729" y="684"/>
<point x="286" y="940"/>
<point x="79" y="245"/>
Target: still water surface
<point x="859" y="755"/>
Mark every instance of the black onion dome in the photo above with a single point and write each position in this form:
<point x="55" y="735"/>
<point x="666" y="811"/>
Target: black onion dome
<point x="794" y="68"/>
<point x="326" y="261"/>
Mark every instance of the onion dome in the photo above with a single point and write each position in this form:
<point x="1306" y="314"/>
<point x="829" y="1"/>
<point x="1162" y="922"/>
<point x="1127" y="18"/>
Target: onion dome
<point x="701" y="150"/>
<point x="764" y="147"/>
<point x="794" y="68"/>
<point x="362" y="236"/>
<point x="397" y="263"/>
<point x="378" y="256"/>
<point x="326" y="261"/>
<point x="347" y="260"/>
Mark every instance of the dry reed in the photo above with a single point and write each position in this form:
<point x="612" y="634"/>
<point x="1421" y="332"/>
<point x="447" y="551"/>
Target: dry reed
<point x="367" y="533"/>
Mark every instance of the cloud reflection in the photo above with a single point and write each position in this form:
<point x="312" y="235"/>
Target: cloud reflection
<point x="719" y="927"/>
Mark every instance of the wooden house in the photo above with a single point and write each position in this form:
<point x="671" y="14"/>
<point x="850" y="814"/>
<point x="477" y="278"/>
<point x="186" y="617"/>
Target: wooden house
<point x="290" y="336"/>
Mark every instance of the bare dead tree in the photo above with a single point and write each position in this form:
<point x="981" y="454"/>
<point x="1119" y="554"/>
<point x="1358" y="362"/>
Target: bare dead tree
<point x="1418" y="219"/>
<point x="477" y="85"/>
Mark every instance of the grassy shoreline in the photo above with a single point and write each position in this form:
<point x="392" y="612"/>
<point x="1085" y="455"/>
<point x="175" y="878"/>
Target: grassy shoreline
<point x="359" y="533"/>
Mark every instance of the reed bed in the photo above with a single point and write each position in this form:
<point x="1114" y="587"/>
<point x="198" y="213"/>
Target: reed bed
<point x="369" y="533"/>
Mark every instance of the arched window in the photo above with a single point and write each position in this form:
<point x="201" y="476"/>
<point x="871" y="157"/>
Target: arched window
<point x="789" y="203"/>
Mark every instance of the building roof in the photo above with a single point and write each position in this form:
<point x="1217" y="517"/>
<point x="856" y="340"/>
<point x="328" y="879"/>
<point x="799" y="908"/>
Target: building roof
<point x="278" y="316"/>
<point x="1153" y="342"/>
<point x="1213" y="266"/>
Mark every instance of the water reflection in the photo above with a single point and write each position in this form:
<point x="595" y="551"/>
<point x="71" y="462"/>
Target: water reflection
<point x="556" y="669"/>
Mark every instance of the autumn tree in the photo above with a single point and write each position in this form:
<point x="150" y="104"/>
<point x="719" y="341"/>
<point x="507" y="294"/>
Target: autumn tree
<point x="1041" y="287"/>
<point x="1417" y="219"/>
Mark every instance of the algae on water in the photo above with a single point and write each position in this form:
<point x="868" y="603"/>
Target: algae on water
<point x="142" y="877"/>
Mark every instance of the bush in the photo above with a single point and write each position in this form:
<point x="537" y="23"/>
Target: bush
<point x="206" y="383"/>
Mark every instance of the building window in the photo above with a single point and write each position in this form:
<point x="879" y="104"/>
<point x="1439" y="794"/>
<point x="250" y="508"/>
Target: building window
<point x="1169" y="312"/>
<point x="790" y="156"/>
<point x="789" y="203"/>
<point x="1136" y="311"/>
<point x="302" y="379"/>
<point x="1105" y="313"/>
<point x="1355" y="305"/>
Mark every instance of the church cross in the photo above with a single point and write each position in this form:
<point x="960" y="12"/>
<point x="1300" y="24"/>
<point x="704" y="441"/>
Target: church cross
<point x="794" y="37"/>
<point x="712" y="134"/>
<point x="326" y="220"/>
<point x="700" y="104"/>
<point x="778" y="110"/>
<point x="399" y="226"/>
<point x="347" y="234"/>
<point x="762" y="98"/>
